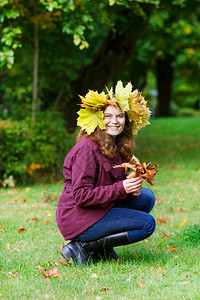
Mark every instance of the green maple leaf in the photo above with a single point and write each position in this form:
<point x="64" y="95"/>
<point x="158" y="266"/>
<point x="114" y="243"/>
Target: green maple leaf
<point x="89" y="119"/>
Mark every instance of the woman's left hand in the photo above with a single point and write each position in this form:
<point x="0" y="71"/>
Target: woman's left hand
<point x="133" y="185"/>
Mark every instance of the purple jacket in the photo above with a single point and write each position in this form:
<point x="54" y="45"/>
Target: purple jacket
<point x="91" y="188"/>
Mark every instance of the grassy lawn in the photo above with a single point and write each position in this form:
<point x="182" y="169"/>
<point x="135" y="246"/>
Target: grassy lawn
<point x="166" y="266"/>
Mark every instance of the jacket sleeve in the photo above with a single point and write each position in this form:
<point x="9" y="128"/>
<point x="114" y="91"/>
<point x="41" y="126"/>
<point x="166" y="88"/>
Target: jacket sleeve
<point x="83" y="179"/>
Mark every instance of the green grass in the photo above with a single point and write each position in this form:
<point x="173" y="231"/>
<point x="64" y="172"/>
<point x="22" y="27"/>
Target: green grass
<point x="149" y="270"/>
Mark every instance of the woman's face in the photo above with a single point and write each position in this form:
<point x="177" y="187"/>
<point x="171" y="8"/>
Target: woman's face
<point x="114" y="119"/>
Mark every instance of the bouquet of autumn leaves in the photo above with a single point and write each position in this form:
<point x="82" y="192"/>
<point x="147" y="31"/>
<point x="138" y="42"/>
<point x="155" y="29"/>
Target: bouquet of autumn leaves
<point x="138" y="169"/>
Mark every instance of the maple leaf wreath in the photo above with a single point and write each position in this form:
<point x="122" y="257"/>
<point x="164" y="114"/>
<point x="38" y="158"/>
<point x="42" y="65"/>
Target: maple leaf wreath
<point x="132" y="102"/>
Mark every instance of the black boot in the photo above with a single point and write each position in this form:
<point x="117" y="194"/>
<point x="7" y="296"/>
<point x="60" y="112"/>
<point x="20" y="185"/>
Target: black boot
<point x="105" y="254"/>
<point x="80" y="252"/>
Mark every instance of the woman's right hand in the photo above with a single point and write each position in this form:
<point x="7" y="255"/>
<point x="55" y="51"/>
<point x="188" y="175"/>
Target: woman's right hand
<point x="132" y="185"/>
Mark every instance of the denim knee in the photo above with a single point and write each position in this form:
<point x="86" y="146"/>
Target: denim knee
<point x="150" y="226"/>
<point x="149" y="199"/>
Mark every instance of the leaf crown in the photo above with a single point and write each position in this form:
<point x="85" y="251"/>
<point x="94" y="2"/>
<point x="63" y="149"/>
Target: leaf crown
<point x="132" y="102"/>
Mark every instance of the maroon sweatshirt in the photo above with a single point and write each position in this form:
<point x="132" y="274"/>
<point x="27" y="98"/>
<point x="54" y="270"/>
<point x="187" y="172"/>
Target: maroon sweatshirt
<point x="91" y="188"/>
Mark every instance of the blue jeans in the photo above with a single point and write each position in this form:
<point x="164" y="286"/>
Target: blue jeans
<point x="131" y="216"/>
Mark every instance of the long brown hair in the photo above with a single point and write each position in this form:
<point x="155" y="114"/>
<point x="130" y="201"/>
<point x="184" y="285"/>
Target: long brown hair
<point x="108" y="146"/>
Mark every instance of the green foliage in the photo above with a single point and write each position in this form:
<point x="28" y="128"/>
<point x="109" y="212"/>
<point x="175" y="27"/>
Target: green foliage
<point x="27" y="148"/>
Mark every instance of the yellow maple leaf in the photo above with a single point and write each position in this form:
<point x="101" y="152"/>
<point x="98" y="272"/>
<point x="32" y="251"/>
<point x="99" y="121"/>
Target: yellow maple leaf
<point x="183" y="223"/>
<point x="93" y="100"/>
<point x="122" y="95"/>
<point x="89" y="119"/>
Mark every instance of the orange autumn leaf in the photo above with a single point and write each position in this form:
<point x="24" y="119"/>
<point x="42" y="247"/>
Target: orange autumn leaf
<point x="173" y="166"/>
<point x="138" y="169"/>
<point x="51" y="273"/>
<point x="173" y="248"/>
<point x="162" y="219"/>
<point x="32" y="220"/>
<point x="54" y="273"/>
<point x="62" y="262"/>
<point x="171" y="209"/>
<point x="13" y="275"/>
<point x="140" y="283"/>
<point x="21" y="229"/>
<point x="47" y="198"/>
<point x="164" y="236"/>
<point x="181" y="209"/>
<point x="42" y="271"/>
<point x="158" y="201"/>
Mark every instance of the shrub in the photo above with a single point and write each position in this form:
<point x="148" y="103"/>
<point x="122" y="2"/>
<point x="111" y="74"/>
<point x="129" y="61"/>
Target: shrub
<point x="30" y="148"/>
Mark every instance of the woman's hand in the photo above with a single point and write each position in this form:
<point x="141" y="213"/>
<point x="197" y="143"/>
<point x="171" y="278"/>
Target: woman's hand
<point x="133" y="185"/>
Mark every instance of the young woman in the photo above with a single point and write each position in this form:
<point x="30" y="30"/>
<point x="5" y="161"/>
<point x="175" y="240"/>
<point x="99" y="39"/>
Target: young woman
<point x="97" y="209"/>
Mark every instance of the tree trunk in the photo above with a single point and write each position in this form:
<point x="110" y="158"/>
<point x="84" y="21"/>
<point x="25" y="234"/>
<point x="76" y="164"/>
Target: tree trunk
<point x="164" y="74"/>
<point x="3" y="74"/>
<point x="35" y="64"/>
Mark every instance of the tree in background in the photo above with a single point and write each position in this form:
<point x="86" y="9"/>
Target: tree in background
<point x="170" y="46"/>
<point x="89" y="44"/>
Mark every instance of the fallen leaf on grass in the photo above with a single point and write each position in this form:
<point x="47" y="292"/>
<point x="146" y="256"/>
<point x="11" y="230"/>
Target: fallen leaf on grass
<point x="62" y="262"/>
<point x="12" y="275"/>
<point x="140" y="283"/>
<point x="173" y="166"/>
<point x="162" y="220"/>
<point x="165" y="235"/>
<point x="32" y="220"/>
<point x="51" y="273"/>
<point x="8" y="248"/>
<point x="171" y="209"/>
<point x="36" y="206"/>
<point x="44" y="273"/>
<point x="158" y="201"/>
<point x="184" y="282"/>
<point x="48" y="198"/>
<point x="21" y="229"/>
<point x="173" y="248"/>
<point x="183" y="223"/>
<point x="181" y="209"/>
<point x="104" y="289"/>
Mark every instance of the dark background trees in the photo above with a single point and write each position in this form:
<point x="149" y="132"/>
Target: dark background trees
<point x="51" y="51"/>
